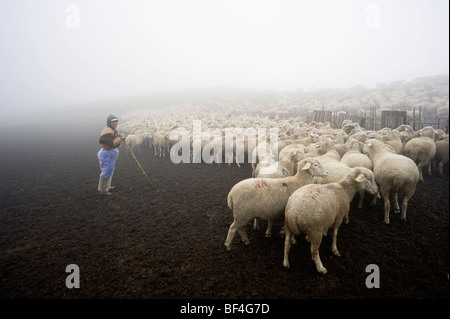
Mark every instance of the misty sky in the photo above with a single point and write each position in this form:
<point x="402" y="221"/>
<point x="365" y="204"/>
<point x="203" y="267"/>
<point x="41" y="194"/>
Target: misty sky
<point x="53" y="53"/>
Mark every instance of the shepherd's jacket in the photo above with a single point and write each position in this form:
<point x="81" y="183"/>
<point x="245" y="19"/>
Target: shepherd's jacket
<point x="109" y="139"/>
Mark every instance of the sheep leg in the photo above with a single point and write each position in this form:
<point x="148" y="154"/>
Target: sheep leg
<point x="334" y="242"/>
<point x="316" y="240"/>
<point x="287" y="246"/>
<point x="387" y="205"/>
<point x="360" y="203"/>
<point x="282" y="234"/>
<point x="269" y="229"/>
<point x="441" y="166"/>
<point x="255" y="224"/>
<point x="243" y="234"/>
<point x="429" y="169"/>
<point x="419" y="167"/>
<point x="404" y="207"/>
<point x="234" y="157"/>
<point x="397" y="207"/>
<point x="230" y="236"/>
<point x="374" y="200"/>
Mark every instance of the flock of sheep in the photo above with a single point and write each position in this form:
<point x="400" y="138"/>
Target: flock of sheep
<point x="306" y="173"/>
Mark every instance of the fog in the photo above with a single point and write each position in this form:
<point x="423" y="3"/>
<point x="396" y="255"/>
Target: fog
<point x="58" y="53"/>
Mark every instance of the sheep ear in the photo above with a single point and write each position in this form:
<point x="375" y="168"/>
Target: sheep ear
<point x="360" y="178"/>
<point x="307" y="166"/>
<point x="370" y="144"/>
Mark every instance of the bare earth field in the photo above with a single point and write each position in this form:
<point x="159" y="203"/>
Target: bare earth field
<point x="167" y="242"/>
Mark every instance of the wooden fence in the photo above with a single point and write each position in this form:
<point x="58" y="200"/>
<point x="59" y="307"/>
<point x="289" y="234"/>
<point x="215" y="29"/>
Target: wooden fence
<point x="390" y="119"/>
<point x="321" y="116"/>
<point x="393" y="119"/>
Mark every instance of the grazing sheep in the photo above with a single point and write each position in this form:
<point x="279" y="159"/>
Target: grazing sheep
<point x="313" y="209"/>
<point x="266" y="198"/>
<point x="422" y="150"/>
<point x="394" y="173"/>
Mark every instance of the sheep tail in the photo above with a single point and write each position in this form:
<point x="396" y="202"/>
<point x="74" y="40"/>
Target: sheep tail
<point x="230" y="201"/>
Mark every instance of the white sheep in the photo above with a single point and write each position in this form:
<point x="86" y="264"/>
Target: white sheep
<point x="160" y="143"/>
<point x="283" y="168"/>
<point x="393" y="139"/>
<point x="331" y="149"/>
<point x="354" y="158"/>
<point x="266" y="198"/>
<point x="313" y="209"/>
<point x="315" y="149"/>
<point x="287" y="151"/>
<point x="336" y="169"/>
<point x="135" y="141"/>
<point x="442" y="154"/>
<point x="312" y="138"/>
<point x="267" y="164"/>
<point x="280" y="145"/>
<point x="287" y="166"/>
<point x="242" y="149"/>
<point x="422" y="149"/>
<point x="394" y="173"/>
<point x="261" y="151"/>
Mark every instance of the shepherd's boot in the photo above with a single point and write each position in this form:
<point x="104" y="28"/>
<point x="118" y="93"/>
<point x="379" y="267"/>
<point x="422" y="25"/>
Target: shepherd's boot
<point x="108" y="184"/>
<point x="103" y="186"/>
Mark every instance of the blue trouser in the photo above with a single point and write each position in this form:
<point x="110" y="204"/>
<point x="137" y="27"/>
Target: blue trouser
<point x="107" y="159"/>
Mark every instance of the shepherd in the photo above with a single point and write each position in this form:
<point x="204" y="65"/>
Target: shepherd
<point x="110" y="140"/>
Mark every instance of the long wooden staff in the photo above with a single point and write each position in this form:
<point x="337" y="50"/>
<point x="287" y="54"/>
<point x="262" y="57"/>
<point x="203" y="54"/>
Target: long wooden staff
<point x="129" y="149"/>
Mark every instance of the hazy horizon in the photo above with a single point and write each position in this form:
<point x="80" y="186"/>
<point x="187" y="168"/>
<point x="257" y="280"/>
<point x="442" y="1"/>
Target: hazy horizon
<point x="55" y="53"/>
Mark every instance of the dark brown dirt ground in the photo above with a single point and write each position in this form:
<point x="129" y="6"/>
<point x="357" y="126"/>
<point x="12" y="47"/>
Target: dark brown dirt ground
<point x="167" y="242"/>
